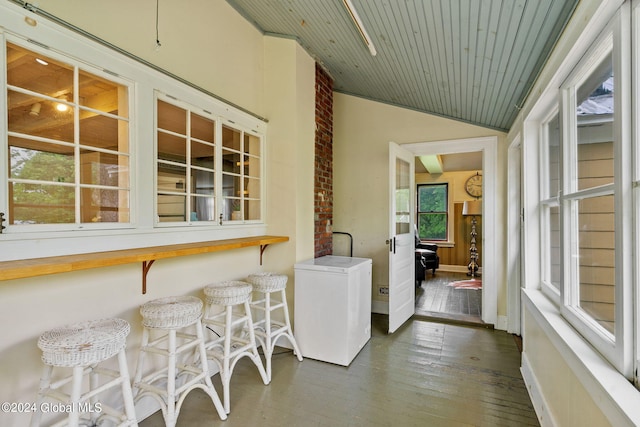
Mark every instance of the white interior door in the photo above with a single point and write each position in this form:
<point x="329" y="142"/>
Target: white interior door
<point x="401" y="239"/>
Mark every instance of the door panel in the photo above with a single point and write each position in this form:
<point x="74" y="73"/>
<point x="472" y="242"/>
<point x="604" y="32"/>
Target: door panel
<point x="401" y="233"/>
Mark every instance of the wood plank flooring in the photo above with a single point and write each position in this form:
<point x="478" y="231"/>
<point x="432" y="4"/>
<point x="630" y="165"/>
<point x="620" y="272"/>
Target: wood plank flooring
<point x="436" y="300"/>
<point x="425" y="374"/>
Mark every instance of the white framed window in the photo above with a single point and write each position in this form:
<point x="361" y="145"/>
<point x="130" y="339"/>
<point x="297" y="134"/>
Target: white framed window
<point x="433" y="211"/>
<point x="208" y="169"/>
<point x="595" y="281"/>
<point x="68" y="143"/>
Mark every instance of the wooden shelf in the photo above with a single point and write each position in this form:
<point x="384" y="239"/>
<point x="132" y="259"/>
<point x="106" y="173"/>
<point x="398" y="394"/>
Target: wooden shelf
<point x="20" y="269"/>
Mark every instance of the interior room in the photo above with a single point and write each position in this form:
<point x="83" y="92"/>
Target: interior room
<point x="449" y="199"/>
<point x="176" y="177"/>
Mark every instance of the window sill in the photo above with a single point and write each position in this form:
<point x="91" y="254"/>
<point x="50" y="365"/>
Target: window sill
<point x="615" y="395"/>
<point x="439" y="243"/>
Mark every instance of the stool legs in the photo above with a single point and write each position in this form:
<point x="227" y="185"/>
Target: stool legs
<point x="271" y="331"/>
<point x="221" y="351"/>
<point x="76" y="399"/>
<point x="171" y="397"/>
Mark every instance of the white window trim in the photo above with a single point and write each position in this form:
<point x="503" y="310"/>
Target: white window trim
<point x="83" y="66"/>
<point x="546" y="203"/>
<point x="618" y="351"/>
<point x="218" y="172"/>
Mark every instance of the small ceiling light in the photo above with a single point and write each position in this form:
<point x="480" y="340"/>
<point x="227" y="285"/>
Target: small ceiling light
<point x="60" y="106"/>
<point x="35" y="109"/>
<point x="360" y="26"/>
<point x="41" y="61"/>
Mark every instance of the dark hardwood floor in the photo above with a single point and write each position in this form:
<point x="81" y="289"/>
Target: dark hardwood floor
<point x="437" y="301"/>
<point x="425" y="374"/>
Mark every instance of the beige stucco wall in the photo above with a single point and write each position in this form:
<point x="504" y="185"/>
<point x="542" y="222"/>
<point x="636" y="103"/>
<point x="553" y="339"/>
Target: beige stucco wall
<point x="567" y="401"/>
<point x="362" y="132"/>
<point x="224" y="55"/>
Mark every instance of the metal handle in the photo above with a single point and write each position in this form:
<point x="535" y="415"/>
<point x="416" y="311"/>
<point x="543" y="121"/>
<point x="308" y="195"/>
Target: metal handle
<point x="392" y="244"/>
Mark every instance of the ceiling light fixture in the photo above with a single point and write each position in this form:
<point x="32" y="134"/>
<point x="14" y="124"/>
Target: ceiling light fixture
<point x="35" y="109"/>
<point x="62" y="107"/>
<point x="41" y="61"/>
<point x="360" y="26"/>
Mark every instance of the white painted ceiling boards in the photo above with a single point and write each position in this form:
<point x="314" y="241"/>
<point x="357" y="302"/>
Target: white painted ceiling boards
<point x="470" y="60"/>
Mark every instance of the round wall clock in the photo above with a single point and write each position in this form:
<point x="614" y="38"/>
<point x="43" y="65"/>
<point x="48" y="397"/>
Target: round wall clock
<point x="474" y="185"/>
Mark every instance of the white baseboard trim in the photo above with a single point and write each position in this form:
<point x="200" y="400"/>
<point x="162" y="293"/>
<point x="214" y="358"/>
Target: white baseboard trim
<point x="456" y="268"/>
<point x="380" y="307"/>
<point x="537" y="399"/>
<point x="453" y="268"/>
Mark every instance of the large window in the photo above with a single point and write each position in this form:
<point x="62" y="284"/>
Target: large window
<point x="433" y="215"/>
<point x="205" y="172"/>
<point x="585" y="203"/>
<point x="68" y="143"/>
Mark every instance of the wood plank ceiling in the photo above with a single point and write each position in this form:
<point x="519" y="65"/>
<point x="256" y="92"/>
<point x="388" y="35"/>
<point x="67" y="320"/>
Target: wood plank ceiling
<point x="469" y="60"/>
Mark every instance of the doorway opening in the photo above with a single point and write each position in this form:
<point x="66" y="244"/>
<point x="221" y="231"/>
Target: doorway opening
<point x="485" y="148"/>
<point x="449" y="221"/>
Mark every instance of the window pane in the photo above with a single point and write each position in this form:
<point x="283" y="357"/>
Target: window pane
<point x="252" y="166"/>
<point x="104" y="132"/>
<point x="202" y="155"/>
<point x="596" y="255"/>
<point x="40" y="161"/>
<point x="231" y="186"/>
<point x="554" y="246"/>
<point x="172" y="148"/>
<point x="38" y="73"/>
<point x="172" y="118"/>
<point x="230" y="138"/>
<point x="232" y="209"/>
<point x="231" y="162"/>
<point x="252" y="209"/>
<point x="553" y="155"/>
<point x="42" y="204"/>
<point x="39" y="117"/>
<point x="402" y="196"/>
<point x="171" y="208"/>
<point x="252" y="188"/>
<point x="595" y="127"/>
<point x="432" y="198"/>
<point x="203" y="209"/>
<point x="432" y="226"/>
<point x="202" y="182"/>
<point x="202" y="128"/>
<point x="251" y="145"/>
<point x="101" y="205"/>
<point x="102" y="95"/>
<point x="97" y="168"/>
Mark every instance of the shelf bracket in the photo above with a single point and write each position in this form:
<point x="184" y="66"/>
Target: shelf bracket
<point x="146" y="265"/>
<point x="262" y="248"/>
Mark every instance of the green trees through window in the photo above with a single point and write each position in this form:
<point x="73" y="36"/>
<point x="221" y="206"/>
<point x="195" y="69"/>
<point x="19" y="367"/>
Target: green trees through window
<point x="432" y="211"/>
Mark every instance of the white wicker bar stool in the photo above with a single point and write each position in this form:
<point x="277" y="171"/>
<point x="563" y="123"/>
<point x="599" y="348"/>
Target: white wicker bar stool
<point x="269" y="331"/>
<point x="168" y="320"/>
<point x="234" y="337"/>
<point x="82" y="347"/>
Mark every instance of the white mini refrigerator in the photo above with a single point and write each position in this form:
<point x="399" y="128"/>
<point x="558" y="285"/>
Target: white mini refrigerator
<point x="332" y="307"/>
